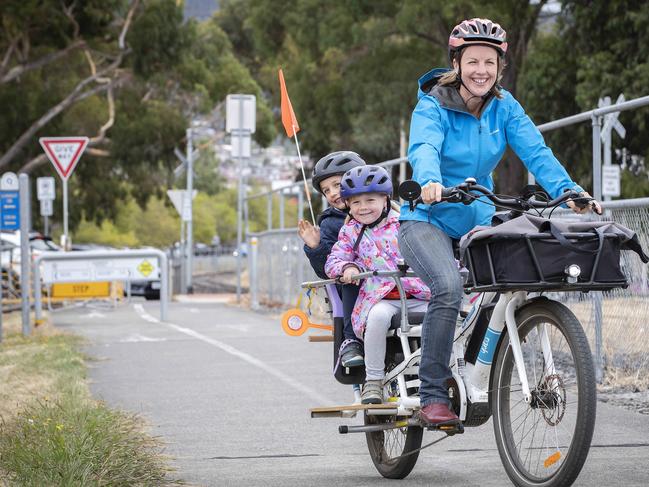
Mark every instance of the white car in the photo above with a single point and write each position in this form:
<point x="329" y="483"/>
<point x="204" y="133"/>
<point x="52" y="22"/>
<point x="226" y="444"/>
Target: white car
<point x="10" y="252"/>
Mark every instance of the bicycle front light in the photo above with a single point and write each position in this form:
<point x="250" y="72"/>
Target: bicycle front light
<point x="572" y="271"/>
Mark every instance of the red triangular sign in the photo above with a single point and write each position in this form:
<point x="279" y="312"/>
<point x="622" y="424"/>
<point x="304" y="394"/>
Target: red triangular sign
<point x="64" y="152"/>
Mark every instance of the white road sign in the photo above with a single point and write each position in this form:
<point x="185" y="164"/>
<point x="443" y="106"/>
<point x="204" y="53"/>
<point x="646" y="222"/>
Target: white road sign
<point x="240" y="113"/>
<point x="9" y="182"/>
<point x="240" y="145"/>
<point x="119" y="269"/>
<point x="45" y="188"/>
<point x="64" y="152"/>
<point x="611" y="180"/>
<point x="178" y="198"/>
<point x="47" y="207"/>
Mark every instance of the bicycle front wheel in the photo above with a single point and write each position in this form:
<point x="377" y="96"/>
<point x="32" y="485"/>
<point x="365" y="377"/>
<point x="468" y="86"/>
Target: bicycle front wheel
<point x="545" y="442"/>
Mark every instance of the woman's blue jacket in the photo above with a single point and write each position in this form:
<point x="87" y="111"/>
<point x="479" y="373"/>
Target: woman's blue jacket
<point x="448" y="145"/>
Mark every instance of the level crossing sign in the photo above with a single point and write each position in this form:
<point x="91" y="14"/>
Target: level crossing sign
<point x="64" y="152"/>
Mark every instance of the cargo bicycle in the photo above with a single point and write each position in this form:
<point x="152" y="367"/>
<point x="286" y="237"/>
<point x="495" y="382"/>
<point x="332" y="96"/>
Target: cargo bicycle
<point x="518" y="356"/>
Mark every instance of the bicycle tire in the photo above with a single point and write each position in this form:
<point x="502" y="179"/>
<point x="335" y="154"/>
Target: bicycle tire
<point x="556" y="427"/>
<point x="387" y="447"/>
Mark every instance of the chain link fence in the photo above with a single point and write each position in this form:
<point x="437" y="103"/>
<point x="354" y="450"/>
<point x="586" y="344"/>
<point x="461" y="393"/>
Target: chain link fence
<point x="616" y="322"/>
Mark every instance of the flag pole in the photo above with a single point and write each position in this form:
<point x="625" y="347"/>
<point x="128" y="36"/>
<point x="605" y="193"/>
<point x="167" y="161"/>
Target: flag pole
<point x="306" y="186"/>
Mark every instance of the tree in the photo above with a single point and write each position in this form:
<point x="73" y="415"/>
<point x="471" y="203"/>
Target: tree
<point x="351" y="67"/>
<point x="128" y="74"/>
<point x="596" y="50"/>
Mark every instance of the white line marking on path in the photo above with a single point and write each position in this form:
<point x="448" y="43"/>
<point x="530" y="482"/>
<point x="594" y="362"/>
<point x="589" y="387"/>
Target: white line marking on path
<point x="141" y="338"/>
<point x="94" y="314"/>
<point x="139" y="309"/>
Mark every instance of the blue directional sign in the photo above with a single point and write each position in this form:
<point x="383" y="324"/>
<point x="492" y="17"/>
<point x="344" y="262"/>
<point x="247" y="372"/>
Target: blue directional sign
<point x="9" y="210"/>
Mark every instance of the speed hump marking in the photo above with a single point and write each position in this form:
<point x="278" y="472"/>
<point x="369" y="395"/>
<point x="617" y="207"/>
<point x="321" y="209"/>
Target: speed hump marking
<point x="145" y="268"/>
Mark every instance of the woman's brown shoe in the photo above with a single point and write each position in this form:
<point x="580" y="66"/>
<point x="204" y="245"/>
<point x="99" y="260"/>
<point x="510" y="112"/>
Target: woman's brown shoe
<point x="436" y="414"/>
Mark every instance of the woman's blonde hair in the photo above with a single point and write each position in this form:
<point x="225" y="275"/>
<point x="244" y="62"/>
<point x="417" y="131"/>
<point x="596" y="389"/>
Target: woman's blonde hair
<point x="452" y="77"/>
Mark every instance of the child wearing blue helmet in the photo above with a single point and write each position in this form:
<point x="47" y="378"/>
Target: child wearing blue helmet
<point x="368" y="241"/>
<point x="318" y="240"/>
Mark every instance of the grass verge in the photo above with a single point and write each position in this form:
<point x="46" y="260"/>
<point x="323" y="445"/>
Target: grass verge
<point x="53" y="433"/>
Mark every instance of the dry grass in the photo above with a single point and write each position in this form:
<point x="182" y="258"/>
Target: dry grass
<point x="52" y="432"/>
<point x="21" y="380"/>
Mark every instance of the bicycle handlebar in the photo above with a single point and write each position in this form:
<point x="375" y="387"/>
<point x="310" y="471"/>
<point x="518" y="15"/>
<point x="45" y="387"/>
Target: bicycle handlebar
<point x="462" y="193"/>
<point x="358" y="277"/>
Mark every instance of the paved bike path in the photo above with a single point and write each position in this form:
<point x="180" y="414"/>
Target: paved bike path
<point x="229" y="393"/>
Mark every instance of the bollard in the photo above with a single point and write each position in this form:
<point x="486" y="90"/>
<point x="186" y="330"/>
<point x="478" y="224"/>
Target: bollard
<point x="254" y="298"/>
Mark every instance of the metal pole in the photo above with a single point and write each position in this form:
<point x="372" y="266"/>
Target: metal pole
<point x="597" y="158"/>
<point x="246" y="219"/>
<point x="25" y="256"/>
<point x="254" y="298"/>
<point x="65" y="215"/>
<point x="599" y="355"/>
<point x="181" y="258"/>
<point x="281" y="209"/>
<point x="239" y="200"/>
<point x="607" y="153"/>
<point x="403" y="147"/>
<point x="46" y="222"/>
<point x="190" y="191"/>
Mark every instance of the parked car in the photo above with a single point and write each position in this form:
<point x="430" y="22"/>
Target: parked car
<point x="148" y="289"/>
<point x="10" y="248"/>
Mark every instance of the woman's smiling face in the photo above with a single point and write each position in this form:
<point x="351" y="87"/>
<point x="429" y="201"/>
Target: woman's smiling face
<point x="479" y="69"/>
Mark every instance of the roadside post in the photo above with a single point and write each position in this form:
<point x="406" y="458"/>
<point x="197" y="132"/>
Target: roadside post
<point x="25" y="254"/>
<point x="182" y="204"/>
<point x="46" y="193"/>
<point x="610" y="172"/>
<point x="9" y="216"/>
<point x="64" y="154"/>
<point x="240" y="123"/>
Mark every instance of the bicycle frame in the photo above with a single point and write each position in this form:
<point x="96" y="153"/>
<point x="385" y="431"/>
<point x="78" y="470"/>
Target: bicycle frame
<point x="473" y="380"/>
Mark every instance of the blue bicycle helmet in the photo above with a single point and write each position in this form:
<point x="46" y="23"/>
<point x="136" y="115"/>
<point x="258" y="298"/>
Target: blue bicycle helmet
<point x="366" y="179"/>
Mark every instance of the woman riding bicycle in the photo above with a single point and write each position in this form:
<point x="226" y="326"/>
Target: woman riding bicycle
<point x="460" y="128"/>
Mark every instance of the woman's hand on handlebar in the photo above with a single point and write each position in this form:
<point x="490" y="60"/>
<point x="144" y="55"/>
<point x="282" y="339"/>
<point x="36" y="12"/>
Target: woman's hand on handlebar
<point x="348" y="275"/>
<point x="591" y="204"/>
<point x="431" y="192"/>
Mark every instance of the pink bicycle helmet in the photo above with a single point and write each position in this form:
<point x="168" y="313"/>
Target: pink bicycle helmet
<point x="477" y="32"/>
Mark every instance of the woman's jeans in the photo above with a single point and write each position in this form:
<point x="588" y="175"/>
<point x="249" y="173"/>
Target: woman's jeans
<point x="429" y="252"/>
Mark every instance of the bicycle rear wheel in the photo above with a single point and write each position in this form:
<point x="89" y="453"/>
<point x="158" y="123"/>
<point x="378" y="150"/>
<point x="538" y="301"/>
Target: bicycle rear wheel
<point x="545" y="442"/>
<point x="387" y="446"/>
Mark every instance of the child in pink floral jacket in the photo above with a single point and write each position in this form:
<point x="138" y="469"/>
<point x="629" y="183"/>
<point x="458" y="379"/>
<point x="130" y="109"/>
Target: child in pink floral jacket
<point x="369" y="242"/>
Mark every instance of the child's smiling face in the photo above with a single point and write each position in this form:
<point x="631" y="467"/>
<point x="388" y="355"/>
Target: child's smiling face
<point x="366" y="208"/>
<point x="330" y="188"/>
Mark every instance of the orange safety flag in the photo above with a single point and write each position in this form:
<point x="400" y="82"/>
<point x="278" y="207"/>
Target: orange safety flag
<point x="288" y="116"/>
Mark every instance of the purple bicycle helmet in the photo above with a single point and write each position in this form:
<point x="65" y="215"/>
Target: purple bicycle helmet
<point x="366" y="179"/>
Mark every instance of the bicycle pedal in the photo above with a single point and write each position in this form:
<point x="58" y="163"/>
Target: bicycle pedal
<point x="451" y="428"/>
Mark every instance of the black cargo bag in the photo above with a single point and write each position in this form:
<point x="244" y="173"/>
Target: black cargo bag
<point x="532" y="253"/>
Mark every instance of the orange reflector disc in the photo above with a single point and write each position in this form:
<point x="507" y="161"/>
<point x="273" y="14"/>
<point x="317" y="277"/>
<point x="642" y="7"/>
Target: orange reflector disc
<point x="295" y="322"/>
<point x="552" y="459"/>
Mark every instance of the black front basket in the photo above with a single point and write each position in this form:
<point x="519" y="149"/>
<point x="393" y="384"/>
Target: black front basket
<point x="537" y="262"/>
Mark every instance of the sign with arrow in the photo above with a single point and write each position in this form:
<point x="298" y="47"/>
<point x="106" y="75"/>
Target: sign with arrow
<point x="64" y="152"/>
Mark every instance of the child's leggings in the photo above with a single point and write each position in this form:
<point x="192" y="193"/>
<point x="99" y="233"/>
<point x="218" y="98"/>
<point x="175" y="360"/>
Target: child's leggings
<point x="378" y="324"/>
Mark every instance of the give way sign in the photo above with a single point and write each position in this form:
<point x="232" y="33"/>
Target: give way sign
<point x="64" y="152"/>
